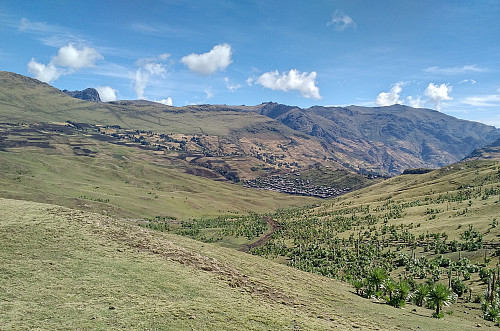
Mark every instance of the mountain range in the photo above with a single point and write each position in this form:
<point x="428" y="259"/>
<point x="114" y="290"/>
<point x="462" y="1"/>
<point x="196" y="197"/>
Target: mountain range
<point x="270" y="136"/>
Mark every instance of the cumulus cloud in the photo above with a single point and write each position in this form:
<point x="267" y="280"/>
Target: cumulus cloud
<point x="168" y="101"/>
<point x="148" y="67"/>
<point x="45" y="73"/>
<point x="231" y="87"/>
<point x="438" y="93"/>
<point x="141" y="81"/>
<point x="415" y="102"/>
<point x="68" y="60"/>
<point x="341" y="21"/>
<point x="456" y="70"/>
<point x="392" y="97"/>
<point x="72" y="57"/>
<point x="106" y="93"/>
<point x="208" y="63"/>
<point x="303" y="82"/>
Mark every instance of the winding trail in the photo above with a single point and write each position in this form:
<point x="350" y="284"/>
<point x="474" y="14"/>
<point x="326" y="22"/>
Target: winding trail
<point x="262" y="240"/>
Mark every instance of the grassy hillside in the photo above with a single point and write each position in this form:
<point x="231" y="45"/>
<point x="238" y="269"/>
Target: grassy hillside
<point x="490" y="152"/>
<point x="27" y="100"/>
<point x="78" y="170"/>
<point x="223" y="133"/>
<point x="438" y="227"/>
<point x="65" y="269"/>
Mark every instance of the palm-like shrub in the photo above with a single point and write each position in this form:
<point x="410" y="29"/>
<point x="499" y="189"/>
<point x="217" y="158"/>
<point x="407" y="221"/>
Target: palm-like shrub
<point x="377" y="278"/>
<point x="358" y="285"/>
<point x="400" y="294"/>
<point x="458" y="286"/>
<point x="390" y="287"/>
<point x="438" y="296"/>
<point x="491" y="310"/>
<point x="420" y="294"/>
<point x="404" y="289"/>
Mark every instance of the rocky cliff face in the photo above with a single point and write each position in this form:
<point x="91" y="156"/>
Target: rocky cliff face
<point x="89" y="94"/>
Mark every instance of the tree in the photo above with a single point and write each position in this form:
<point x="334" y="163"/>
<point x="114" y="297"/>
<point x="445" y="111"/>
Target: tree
<point x="439" y="295"/>
<point x="390" y="288"/>
<point x="358" y="285"/>
<point x="420" y="294"/>
<point x="458" y="286"/>
<point x="377" y="277"/>
<point x="403" y="292"/>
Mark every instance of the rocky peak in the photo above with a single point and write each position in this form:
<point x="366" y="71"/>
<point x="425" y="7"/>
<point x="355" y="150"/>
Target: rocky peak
<point x="89" y="94"/>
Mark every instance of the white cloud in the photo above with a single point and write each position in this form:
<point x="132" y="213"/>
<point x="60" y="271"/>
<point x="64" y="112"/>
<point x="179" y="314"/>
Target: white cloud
<point x="292" y="80"/>
<point x="415" y="102"/>
<point x="392" y="97"/>
<point x="455" y="70"/>
<point x="472" y="81"/>
<point x="163" y="57"/>
<point x="141" y="81"/>
<point x="148" y="67"/>
<point x="209" y="93"/>
<point x="155" y="68"/>
<point x="67" y="56"/>
<point x="485" y="100"/>
<point x="341" y="21"/>
<point x="208" y="63"/>
<point x="45" y="73"/>
<point x="106" y="93"/>
<point x="27" y="26"/>
<point x="250" y="80"/>
<point x="70" y="56"/>
<point x="438" y="93"/>
<point x="231" y="87"/>
<point x="168" y="101"/>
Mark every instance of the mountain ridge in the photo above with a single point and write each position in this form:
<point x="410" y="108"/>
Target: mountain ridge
<point x="382" y="140"/>
<point x="426" y="137"/>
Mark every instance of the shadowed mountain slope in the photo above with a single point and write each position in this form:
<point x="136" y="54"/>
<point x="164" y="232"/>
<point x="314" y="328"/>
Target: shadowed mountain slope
<point x="387" y="139"/>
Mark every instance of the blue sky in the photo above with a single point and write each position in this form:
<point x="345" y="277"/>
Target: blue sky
<point x="443" y="55"/>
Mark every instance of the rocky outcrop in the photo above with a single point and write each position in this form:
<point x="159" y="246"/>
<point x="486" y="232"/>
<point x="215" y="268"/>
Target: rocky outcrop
<point x="89" y="94"/>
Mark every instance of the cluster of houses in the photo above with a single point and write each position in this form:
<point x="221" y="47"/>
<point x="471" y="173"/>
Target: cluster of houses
<point x="298" y="186"/>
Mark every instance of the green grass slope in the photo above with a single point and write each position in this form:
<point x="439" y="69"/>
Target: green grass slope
<point x="27" y="100"/>
<point x="120" y="180"/>
<point x="460" y="194"/>
<point x="66" y="270"/>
